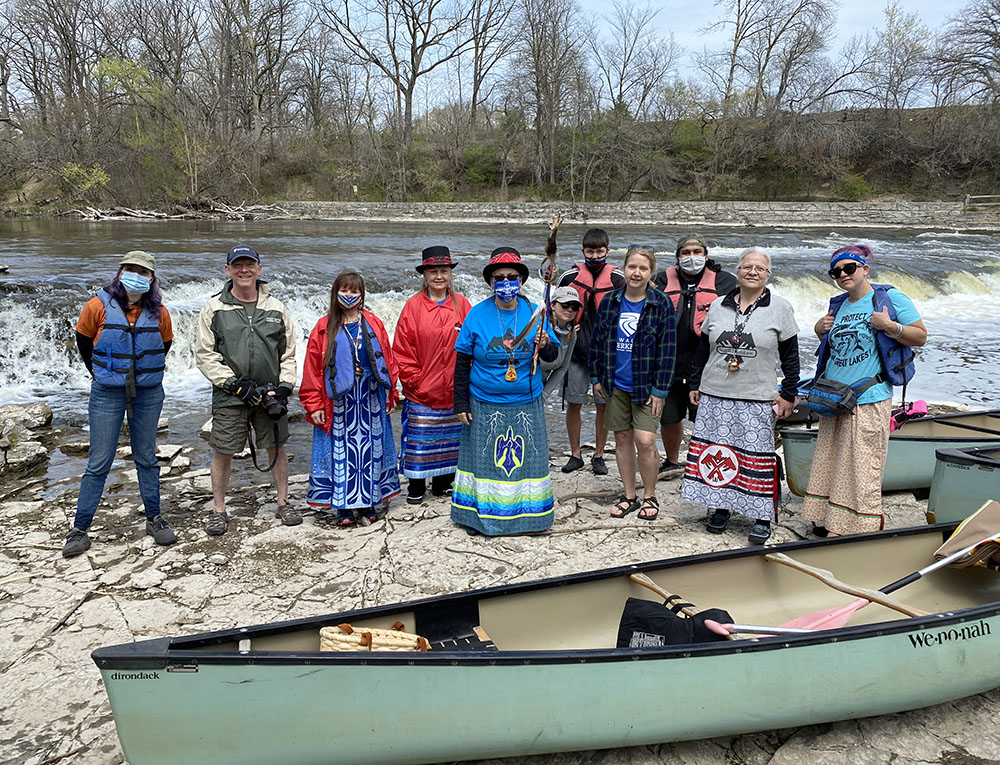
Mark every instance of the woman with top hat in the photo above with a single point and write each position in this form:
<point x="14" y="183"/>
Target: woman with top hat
<point x="865" y="342"/>
<point x="502" y="484"/>
<point x="424" y="349"/>
<point x="348" y="389"/>
<point x="731" y="464"/>
<point x="123" y="334"/>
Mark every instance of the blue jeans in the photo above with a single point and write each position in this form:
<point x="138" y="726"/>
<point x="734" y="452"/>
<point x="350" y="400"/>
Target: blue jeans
<point x="107" y="410"/>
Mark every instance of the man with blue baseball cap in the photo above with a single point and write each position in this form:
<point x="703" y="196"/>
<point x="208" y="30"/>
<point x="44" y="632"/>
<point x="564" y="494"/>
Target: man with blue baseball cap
<point x="246" y="349"/>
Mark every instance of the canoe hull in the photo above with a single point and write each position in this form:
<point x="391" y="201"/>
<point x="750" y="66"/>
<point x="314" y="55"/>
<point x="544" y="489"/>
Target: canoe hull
<point x="963" y="480"/>
<point x="910" y="460"/>
<point x="211" y="699"/>
<point x="412" y="714"/>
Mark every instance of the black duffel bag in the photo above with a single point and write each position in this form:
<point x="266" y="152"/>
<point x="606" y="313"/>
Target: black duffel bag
<point x="646" y="624"/>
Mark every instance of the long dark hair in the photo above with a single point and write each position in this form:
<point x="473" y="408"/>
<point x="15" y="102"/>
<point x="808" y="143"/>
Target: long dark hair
<point x="152" y="300"/>
<point x="346" y="279"/>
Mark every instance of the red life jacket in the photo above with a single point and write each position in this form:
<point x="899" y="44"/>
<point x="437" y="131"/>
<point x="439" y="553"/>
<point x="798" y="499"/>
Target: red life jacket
<point x="585" y="286"/>
<point x="704" y="294"/>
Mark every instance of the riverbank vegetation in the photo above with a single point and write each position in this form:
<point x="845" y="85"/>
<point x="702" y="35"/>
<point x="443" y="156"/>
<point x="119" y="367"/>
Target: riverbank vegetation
<point x="185" y="102"/>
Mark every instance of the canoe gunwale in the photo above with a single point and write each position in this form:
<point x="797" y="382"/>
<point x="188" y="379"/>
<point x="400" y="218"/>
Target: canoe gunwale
<point x="191" y="651"/>
<point x="969" y="456"/>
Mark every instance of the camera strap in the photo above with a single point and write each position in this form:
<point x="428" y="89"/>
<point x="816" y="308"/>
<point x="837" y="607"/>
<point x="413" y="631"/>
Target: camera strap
<point x="253" y="451"/>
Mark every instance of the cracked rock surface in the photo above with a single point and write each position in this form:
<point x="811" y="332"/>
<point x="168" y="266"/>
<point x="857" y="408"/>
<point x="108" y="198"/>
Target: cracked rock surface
<point x="54" y="612"/>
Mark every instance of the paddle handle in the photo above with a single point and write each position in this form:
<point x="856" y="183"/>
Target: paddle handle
<point x="648" y="583"/>
<point x="946" y="561"/>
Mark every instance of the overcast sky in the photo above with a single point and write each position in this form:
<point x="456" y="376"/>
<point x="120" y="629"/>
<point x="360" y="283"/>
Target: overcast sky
<point x="686" y="17"/>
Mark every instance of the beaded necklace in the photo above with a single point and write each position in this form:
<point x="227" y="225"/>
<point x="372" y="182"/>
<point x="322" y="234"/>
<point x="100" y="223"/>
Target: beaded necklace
<point x="355" y="345"/>
<point x="738" y="327"/>
<point x="511" y="375"/>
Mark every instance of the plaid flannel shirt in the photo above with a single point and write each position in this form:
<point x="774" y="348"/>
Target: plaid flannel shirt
<point x="653" y="349"/>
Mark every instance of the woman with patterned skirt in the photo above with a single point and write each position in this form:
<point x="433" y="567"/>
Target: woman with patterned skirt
<point x="731" y="464"/>
<point x="866" y="339"/>
<point x="424" y="349"/>
<point x="502" y="484"/>
<point x="348" y="389"/>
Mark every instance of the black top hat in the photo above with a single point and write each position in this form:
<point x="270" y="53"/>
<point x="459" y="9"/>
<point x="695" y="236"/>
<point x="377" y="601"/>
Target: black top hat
<point x="438" y="255"/>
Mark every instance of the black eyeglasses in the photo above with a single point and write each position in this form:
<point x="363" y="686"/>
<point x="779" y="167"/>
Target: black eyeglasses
<point x="847" y="268"/>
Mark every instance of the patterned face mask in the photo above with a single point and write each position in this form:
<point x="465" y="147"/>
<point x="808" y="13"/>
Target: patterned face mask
<point x="692" y="264"/>
<point x="507" y="290"/>
<point x="348" y="301"/>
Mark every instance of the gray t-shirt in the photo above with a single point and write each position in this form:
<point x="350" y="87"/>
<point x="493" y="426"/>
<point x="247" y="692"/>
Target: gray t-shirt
<point x="757" y="349"/>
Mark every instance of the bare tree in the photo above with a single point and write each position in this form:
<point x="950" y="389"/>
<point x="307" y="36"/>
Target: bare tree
<point x="491" y="39"/>
<point x="968" y="59"/>
<point x="405" y="40"/>
<point x="632" y="59"/>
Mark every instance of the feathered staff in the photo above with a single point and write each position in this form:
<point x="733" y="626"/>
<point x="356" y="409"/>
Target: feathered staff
<point x="547" y="270"/>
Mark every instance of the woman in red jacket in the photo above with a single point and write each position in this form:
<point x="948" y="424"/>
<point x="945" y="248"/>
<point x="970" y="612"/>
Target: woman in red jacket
<point x="348" y="389"/>
<point x="424" y="348"/>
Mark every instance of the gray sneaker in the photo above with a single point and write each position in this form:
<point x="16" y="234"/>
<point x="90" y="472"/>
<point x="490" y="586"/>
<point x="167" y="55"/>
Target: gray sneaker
<point x="288" y="515"/>
<point x="160" y="531"/>
<point x="217" y="524"/>
<point x="77" y="542"/>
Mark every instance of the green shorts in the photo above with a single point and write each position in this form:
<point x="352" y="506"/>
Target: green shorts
<point x="624" y="414"/>
<point x="229" y="429"/>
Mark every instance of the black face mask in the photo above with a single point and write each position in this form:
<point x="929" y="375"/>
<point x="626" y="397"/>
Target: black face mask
<point x="594" y="265"/>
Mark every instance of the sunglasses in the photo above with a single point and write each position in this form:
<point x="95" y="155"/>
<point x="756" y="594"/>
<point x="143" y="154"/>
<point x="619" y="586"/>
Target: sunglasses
<point x="506" y="278"/>
<point x="848" y="269"/>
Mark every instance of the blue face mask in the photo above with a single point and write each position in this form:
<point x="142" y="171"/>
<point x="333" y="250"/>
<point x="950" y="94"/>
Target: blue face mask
<point x="348" y="301"/>
<point x="507" y="290"/>
<point x="133" y="283"/>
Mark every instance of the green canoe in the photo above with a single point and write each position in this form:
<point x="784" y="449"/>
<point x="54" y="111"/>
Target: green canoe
<point x="963" y="480"/>
<point x="909" y="463"/>
<point x="551" y="679"/>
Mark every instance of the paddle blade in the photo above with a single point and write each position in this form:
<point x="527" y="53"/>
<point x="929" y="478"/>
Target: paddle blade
<point x="981" y="525"/>
<point x="828" y="619"/>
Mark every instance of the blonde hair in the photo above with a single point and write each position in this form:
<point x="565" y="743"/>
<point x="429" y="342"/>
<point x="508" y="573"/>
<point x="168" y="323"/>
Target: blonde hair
<point x="647" y="252"/>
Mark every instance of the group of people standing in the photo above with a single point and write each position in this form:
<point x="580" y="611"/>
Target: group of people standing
<point x="652" y="347"/>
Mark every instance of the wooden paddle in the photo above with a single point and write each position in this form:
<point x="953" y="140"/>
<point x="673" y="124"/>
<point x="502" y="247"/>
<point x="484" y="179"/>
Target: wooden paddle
<point x="687" y="610"/>
<point x="874" y="596"/>
<point x="835" y="618"/>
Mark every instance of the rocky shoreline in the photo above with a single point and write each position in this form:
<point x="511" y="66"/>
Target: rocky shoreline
<point x="55" y="611"/>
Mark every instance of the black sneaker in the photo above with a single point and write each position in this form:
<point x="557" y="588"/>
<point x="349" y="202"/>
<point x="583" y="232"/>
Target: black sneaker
<point x="160" y="531"/>
<point x="573" y="463"/>
<point x="412" y="499"/>
<point x="77" y="542"/>
<point x="670" y="467"/>
<point x="598" y="465"/>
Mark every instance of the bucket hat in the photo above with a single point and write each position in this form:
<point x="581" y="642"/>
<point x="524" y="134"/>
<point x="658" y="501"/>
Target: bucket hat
<point x="505" y="256"/>
<point x="138" y="258"/>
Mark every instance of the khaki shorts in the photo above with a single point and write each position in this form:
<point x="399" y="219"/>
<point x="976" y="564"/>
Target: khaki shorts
<point x="229" y="429"/>
<point x="624" y="414"/>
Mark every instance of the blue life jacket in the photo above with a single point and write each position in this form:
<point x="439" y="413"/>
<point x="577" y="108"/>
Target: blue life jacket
<point x="896" y="358"/>
<point x="342" y="361"/>
<point x="123" y="350"/>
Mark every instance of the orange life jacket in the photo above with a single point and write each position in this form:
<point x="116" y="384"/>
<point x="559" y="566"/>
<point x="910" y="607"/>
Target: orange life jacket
<point x="704" y="294"/>
<point x="585" y="286"/>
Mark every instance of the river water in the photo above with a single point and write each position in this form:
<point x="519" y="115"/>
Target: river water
<point x="53" y="267"/>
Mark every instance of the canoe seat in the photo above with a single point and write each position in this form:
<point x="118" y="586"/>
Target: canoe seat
<point x="344" y="637"/>
<point x="477" y="641"/>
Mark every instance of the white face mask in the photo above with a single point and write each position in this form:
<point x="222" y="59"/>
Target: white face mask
<point x="692" y="264"/>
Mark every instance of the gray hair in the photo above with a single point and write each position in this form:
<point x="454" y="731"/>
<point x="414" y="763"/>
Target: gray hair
<point x="751" y="251"/>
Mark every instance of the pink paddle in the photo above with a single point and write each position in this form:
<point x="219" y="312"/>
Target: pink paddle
<point x="835" y="618"/>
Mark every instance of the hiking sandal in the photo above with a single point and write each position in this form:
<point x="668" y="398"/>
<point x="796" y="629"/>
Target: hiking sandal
<point x="650" y="509"/>
<point x="624" y="506"/>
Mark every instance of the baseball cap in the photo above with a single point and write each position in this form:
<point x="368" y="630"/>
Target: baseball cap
<point x="565" y="295"/>
<point x="138" y="258"/>
<point x="242" y="251"/>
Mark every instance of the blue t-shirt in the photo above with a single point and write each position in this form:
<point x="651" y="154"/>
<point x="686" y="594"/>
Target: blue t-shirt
<point x="853" y="352"/>
<point x="628" y="323"/>
<point x="486" y="335"/>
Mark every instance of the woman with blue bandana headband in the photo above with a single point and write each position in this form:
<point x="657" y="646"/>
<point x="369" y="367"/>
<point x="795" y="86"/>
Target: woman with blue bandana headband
<point x="865" y="325"/>
<point x="348" y="390"/>
<point x="123" y="334"/>
<point x="502" y="482"/>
